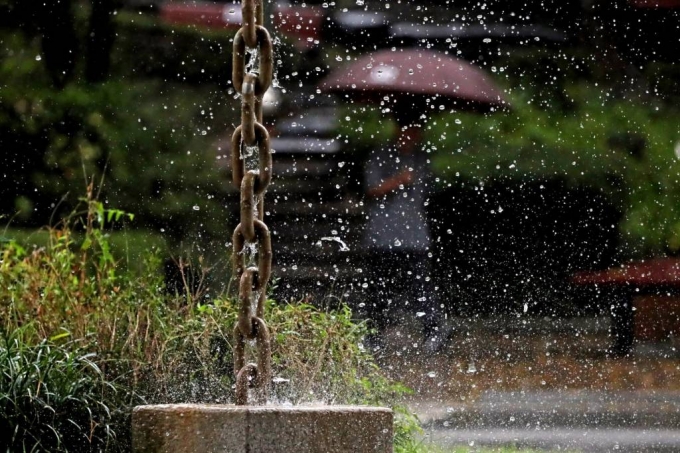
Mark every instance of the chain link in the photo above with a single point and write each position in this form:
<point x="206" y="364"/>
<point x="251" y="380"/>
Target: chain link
<point x="252" y="79"/>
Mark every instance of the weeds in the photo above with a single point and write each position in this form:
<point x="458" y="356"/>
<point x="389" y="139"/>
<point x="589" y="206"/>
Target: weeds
<point x="76" y="321"/>
<point x="54" y="397"/>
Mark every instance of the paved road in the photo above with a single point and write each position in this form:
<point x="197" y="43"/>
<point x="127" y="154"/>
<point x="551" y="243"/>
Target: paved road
<point x="563" y="439"/>
<point x="587" y="421"/>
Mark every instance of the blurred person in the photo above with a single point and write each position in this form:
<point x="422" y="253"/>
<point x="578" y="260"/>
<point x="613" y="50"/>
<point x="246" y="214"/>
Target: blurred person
<point x="397" y="237"/>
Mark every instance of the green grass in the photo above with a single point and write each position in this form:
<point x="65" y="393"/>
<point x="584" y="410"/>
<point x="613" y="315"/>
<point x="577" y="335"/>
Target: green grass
<point x="54" y="397"/>
<point x="128" y="245"/>
<point x="78" y="310"/>
<point x="466" y="449"/>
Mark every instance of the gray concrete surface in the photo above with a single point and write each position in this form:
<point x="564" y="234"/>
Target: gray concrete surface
<point x="193" y="428"/>
<point x="563" y="439"/>
<point x="587" y="421"/>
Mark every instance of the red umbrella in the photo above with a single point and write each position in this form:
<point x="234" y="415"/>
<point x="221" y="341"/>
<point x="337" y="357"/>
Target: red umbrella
<point x="413" y="76"/>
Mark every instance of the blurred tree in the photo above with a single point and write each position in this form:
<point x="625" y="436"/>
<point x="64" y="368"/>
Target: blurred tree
<point x="57" y="25"/>
<point x="100" y="40"/>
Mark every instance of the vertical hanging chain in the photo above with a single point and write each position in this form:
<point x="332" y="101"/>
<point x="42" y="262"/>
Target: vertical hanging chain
<point x="252" y="79"/>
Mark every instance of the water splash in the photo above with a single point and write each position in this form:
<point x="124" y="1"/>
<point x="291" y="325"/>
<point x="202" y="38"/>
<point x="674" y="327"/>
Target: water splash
<point x="343" y="246"/>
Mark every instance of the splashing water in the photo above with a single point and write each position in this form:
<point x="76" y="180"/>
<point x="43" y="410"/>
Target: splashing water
<point x="250" y="252"/>
<point x="343" y="246"/>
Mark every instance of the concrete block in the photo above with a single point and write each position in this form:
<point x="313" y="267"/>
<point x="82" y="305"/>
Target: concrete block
<point x="198" y="428"/>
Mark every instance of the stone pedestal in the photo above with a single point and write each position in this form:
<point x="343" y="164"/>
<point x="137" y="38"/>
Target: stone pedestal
<point x="194" y="428"/>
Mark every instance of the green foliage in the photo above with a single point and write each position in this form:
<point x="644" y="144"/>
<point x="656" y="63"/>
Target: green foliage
<point x="572" y="128"/>
<point x="54" y="397"/>
<point x="151" y="128"/>
<point x="623" y="148"/>
<point x="148" y="48"/>
<point x="166" y="346"/>
<point x="153" y="139"/>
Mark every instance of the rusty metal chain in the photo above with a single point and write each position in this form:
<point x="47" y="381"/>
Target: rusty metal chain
<point x="252" y="79"/>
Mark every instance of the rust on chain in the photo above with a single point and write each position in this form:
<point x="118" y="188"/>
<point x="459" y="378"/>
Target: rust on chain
<point x="252" y="83"/>
<point x="264" y="263"/>
<point x="248" y="114"/>
<point x="263" y="379"/>
<point x="259" y="12"/>
<point x="249" y="22"/>
<point x="248" y="201"/>
<point x="265" y="70"/>
<point x="254" y="375"/>
<point x="245" y="314"/>
<point x="238" y="164"/>
<point x="244" y="377"/>
<point x="238" y="63"/>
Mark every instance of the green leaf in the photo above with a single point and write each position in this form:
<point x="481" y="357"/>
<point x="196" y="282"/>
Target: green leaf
<point x="87" y="243"/>
<point x="59" y="336"/>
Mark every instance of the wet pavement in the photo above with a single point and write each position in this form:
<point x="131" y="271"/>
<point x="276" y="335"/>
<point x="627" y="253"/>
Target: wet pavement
<point x="540" y="385"/>
<point x="585" y="421"/>
<point x="563" y="439"/>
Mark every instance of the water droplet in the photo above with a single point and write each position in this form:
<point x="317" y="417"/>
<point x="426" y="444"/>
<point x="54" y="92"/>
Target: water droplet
<point x="343" y="246"/>
<point x="38" y="58"/>
<point x="196" y="208"/>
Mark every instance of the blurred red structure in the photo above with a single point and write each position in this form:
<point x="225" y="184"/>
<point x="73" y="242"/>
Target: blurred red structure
<point x="667" y="4"/>
<point x="645" y="301"/>
<point x="654" y="272"/>
<point x="302" y="25"/>
<point x="202" y="14"/>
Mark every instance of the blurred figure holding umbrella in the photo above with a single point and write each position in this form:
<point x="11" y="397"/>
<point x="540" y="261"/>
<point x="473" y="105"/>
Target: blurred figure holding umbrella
<point x="397" y="235"/>
<point x="411" y="83"/>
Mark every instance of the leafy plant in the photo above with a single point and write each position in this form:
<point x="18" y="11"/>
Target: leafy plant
<point x="173" y="346"/>
<point x="54" y="397"/>
<point x="568" y="123"/>
<point x="619" y="147"/>
<point x="154" y="141"/>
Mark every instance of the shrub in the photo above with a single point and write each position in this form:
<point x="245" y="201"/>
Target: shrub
<point x="54" y="397"/>
<point x="153" y="127"/>
<point x="154" y="140"/>
<point x="574" y="123"/>
<point x="171" y="346"/>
